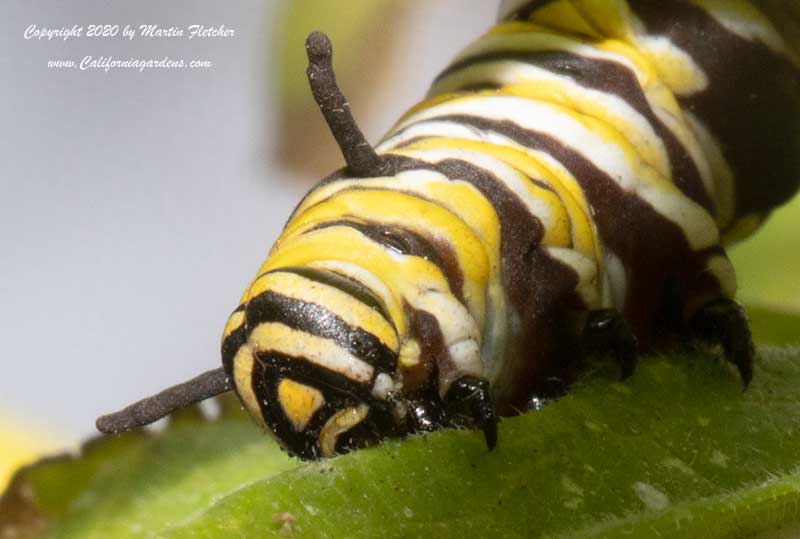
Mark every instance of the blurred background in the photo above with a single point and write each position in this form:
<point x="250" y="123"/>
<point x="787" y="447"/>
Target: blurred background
<point x="135" y="206"/>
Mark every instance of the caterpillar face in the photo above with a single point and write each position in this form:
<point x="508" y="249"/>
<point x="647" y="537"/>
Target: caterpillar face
<point x="312" y="354"/>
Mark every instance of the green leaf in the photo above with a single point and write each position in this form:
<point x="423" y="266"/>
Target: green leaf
<point x="767" y="263"/>
<point x="774" y="325"/>
<point x="676" y="451"/>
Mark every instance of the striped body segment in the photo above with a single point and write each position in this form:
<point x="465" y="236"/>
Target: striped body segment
<point x="582" y="156"/>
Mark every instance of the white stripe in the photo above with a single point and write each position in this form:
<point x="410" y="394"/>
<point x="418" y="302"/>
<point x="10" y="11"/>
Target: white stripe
<point x="542" y="41"/>
<point x="614" y="110"/>
<point x="638" y="178"/>
<point x="273" y="336"/>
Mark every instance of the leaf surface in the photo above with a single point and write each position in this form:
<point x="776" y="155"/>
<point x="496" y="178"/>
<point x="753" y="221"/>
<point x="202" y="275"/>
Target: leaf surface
<point x="677" y="451"/>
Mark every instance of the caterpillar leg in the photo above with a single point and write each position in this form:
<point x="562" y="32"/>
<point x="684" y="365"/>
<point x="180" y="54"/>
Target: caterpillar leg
<point x="724" y="322"/>
<point x="607" y="331"/>
<point x="469" y="399"/>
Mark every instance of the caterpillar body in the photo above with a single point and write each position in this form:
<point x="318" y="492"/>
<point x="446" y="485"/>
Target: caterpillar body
<point x="567" y="187"/>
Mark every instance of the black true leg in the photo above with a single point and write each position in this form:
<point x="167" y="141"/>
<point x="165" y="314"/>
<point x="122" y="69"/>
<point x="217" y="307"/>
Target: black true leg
<point x="426" y="414"/>
<point x="607" y="331"/>
<point x="469" y="397"/>
<point x="724" y="322"/>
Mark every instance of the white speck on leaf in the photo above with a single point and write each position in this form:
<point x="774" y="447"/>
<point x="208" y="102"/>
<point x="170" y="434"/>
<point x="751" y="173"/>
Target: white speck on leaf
<point x="650" y="496"/>
<point x="571" y="486"/>
<point x="677" y="464"/>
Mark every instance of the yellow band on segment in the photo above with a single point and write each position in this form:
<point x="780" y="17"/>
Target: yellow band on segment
<point x="391" y="208"/>
<point x="397" y="208"/>
<point x="350" y="310"/>
<point x="560" y="213"/>
<point x="299" y="402"/>
<point x="574" y="212"/>
<point x="243" y="363"/>
<point x="606" y="17"/>
<point x="338" y="424"/>
<point x="564" y="16"/>
<point x="234" y="322"/>
<point x="456" y="197"/>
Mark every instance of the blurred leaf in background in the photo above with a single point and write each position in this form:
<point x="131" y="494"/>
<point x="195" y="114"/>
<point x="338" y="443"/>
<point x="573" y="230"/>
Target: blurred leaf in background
<point x="768" y="263"/>
<point x="364" y="34"/>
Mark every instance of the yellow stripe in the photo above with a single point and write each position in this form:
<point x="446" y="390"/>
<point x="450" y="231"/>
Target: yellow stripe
<point x="457" y="197"/>
<point x="404" y="276"/>
<point x="607" y="17"/>
<point x="422" y="217"/>
<point x="243" y="379"/>
<point x="562" y="205"/>
<point x="235" y="320"/>
<point x="345" y="306"/>
<point x="299" y="402"/>
<point x="272" y="336"/>
<point x="339" y="423"/>
<point x="584" y="235"/>
<point x="564" y="16"/>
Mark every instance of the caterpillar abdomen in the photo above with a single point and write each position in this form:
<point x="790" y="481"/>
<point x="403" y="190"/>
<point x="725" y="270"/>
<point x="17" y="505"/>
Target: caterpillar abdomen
<point x="566" y="188"/>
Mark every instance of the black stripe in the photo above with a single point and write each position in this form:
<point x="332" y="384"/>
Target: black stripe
<point x="315" y="320"/>
<point x="341" y="282"/>
<point x="407" y="242"/>
<point x="611" y="78"/>
<point x="231" y="345"/>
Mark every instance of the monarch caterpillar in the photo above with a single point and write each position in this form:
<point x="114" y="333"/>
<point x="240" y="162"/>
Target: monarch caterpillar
<point x="568" y="186"/>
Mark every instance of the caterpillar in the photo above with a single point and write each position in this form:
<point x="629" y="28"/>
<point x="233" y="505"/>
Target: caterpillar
<point x="568" y="187"/>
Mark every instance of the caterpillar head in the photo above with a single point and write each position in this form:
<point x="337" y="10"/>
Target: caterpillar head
<point x="312" y="355"/>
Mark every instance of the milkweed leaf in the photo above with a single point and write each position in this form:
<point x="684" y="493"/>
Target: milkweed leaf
<point x="766" y="264"/>
<point x="774" y="325"/>
<point x="678" y="450"/>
